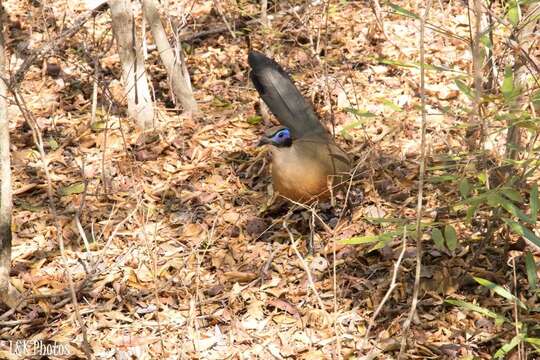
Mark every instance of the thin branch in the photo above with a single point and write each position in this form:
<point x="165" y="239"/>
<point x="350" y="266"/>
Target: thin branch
<point x="304" y="265"/>
<point x="393" y="284"/>
<point x="419" y="208"/>
<point x="38" y="141"/>
<point x="520" y="350"/>
<point x="52" y="45"/>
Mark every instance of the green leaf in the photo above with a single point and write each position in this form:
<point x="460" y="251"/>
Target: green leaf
<point x="352" y="125"/>
<point x="512" y="194"/>
<point x="451" y="237"/>
<point x="513" y="13"/>
<point x="379" y="245"/>
<point x="515" y="211"/>
<point x="98" y="125"/>
<point x="391" y="105"/>
<point x="482" y="177"/>
<point x="523" y="231"/>
<point x="254" y="120"/>
<point x="357" y="112"/>
<point x="534" y="341"/>
<point x="220" y="102"/>
<point x="486" y="41"/>
<point x="396" y="63"/>
<point x="438" y="238"/>
<point x="387" y="220"/>
<point x="509" y="91"/>
<point x="53" y="144"/>
<point x="534" y="202"/>
<point x="535" y="99"/>
<point x="470" y="212"/>
<point x="499" y="290"/>
<point x="399" y="10"/>
<point x="506" y="348"/>
<point x="25" y="205"/>
<point x="493" y="199"/>
<point x="475" y="200"/>
<point x="441" y="179"/>
<point x="76" y="188"/>
<point x="530" y="266"/>
<point x="464" y="188"/>
<point x="499" y="319"/>
<point x="464" y="88"/>
<point x="357" y="240"/>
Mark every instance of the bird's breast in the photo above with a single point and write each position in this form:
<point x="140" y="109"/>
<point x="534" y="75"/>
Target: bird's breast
<point x="304" y="171"/>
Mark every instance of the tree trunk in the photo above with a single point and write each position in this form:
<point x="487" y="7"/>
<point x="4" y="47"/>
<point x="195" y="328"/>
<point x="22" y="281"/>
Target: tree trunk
<point x="8" y="294"/>
<point x="525" y="39"/>
<point x="264" y="13"/>
<point x="476" y="132"/>
<point x="136" y="88"/>
<point x="180" y="84"/>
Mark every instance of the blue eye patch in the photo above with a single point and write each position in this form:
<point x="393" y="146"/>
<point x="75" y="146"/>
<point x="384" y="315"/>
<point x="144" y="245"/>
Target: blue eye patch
<point x="282" y="138"/>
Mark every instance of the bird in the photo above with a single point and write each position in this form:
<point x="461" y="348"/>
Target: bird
<point x="306" y="161"/>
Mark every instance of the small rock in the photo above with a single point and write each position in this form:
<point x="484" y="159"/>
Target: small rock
<point x="53" y="70"/>
<point x="234" y="231"/>
<point x="255" y="226"/>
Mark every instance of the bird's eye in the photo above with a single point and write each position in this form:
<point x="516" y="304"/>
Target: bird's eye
<point x="280" y="135"/>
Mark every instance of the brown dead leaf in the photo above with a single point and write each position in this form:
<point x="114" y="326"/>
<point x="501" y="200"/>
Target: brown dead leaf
<point x="133" y="341"/>
<point x="284" y="305"/>
<point x="238" y="276"/>
<point x="192" y="230"/>
<point x="231" y="217"/>
<point x="144" y="274"/>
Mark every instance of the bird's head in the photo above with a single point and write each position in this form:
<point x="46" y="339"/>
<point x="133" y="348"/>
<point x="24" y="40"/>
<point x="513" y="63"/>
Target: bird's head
<point x="279" y="136"/>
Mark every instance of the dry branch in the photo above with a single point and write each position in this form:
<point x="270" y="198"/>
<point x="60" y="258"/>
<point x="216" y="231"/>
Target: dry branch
<point x="8" y="294"/>
<point x="422" y="172"/>
<point x="180" y="85"/>
<point x="52" y="45"/>
<point x="140" y="106"/>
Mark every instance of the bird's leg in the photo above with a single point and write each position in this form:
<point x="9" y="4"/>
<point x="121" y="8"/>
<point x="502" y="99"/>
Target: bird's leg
<point x="311" y="242"/>
<point x="330" y="187"/>
<point x="349" y="206"/>
<point x="263" y="272"/>
<point x="271" y="203"/>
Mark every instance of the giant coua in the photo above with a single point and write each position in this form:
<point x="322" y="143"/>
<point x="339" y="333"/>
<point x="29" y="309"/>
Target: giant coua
<point x="306" y="162"/>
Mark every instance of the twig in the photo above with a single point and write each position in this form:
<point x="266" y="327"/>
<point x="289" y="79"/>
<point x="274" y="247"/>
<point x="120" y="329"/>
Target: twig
<point x="104" y="177"/>
<point x="38" y="141"/>
<point x="264" y="13"/>
<point x="419" y="208"/>
<point x="150" y="247"/>
<point x="376" y="7"/>
<point x="13" y="323"/>
<point x="304" y="265"/>
<point x="263" y="273"/>
<point x="220" y="11"/>
<point x="221" y="28"/>
<point x="516" y="311"/>
<point x="95" y="86"/>
<point x="80" y="209"/>
<point x="51" y="45"/>
<point x="391" y="288"/>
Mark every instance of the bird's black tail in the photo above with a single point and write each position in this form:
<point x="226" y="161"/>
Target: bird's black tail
<point x="282" y="97"/>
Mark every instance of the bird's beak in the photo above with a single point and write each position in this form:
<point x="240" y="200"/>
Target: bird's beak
<point x="263" y="141"/>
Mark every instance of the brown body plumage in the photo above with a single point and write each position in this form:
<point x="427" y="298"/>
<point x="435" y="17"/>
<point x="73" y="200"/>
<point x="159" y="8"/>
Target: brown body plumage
<point x="306" y="161"/>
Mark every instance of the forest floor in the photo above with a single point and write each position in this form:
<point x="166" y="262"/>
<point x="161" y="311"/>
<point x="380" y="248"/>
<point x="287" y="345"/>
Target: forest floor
<point x="186" y="258"/>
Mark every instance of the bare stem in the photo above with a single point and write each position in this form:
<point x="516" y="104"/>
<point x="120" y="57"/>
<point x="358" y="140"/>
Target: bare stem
<point x="419" y="208"/>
